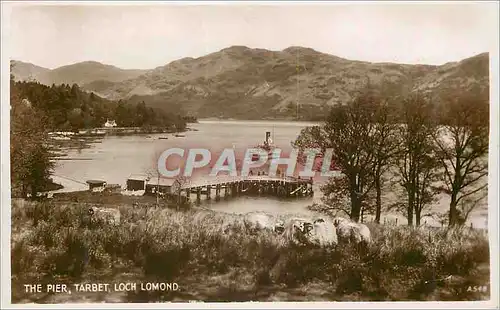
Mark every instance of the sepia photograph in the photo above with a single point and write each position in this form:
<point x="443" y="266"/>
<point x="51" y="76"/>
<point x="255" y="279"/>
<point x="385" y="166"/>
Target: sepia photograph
<point x="184" y="152"/>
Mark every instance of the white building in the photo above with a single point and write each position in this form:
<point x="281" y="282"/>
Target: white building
<point x="110" y="123"/>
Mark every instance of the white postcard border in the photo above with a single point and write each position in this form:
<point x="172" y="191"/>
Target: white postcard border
<point x="493" y="197"/>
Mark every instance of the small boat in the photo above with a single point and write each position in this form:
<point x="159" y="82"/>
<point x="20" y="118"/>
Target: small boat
<point x="179" y="135"/>
<point x="163" y="138"/>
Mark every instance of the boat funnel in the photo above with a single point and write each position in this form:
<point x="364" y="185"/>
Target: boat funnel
<point x="268" y="135"/>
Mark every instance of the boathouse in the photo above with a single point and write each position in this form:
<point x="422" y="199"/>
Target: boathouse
<point x="136" y="182"/>
<point x="96" y="185"/>
<point x="163" y="186"/>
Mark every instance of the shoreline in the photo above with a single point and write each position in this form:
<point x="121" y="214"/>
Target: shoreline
<point x="256" y="120"/>
<point x="114" y="131"/>
<point x="66" y="140"/>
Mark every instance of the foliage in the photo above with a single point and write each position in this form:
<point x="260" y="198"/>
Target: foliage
<point x="68" y="108"/>
<point x="401" y="264"/>
<point x="385" y="142"/>
<point x="462" y="147"/>
<point x="361" y="136"/>
<point x="37" y="109"/>
<point x="416" y="160"/>
<point x="393" y="134"/>
<point x="29" y="153"/>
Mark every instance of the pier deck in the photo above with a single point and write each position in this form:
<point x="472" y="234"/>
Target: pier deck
<point x="223" y="180"/>
<point x="239" y="185"/>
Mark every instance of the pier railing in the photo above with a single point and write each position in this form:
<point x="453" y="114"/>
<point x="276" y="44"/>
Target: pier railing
<point x="221" y="180"/>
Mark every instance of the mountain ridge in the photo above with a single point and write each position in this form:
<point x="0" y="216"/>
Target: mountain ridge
<point x="239" y="81"/>
<point x="77" y="73"/>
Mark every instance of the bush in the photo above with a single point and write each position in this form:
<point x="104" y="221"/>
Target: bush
<point x="400" y="264"/>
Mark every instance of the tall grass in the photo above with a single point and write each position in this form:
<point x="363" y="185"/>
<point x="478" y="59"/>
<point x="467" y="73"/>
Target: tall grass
<point x="401" y="263"/>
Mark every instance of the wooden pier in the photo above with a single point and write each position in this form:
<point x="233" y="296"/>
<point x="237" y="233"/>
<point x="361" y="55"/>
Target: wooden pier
<point x="227" y="186"/>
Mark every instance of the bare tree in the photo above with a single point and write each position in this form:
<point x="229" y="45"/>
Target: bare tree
<point x="154" y="174"/>
<point x="469" y="204"/>
<point x="180" y="183"/>
<point x="416" y="161"/>
<point x="363" y="137"/>
<point x="426" y="191"/>
<point x="462" y="144"/>
<point x="311" y="137"/>
<point x="349" y="132"/>
<point x="385" y="143"/>
<point x="335" y="197"/>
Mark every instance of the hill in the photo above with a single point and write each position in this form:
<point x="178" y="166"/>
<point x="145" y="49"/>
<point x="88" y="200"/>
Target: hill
<point x="79" y="73"/>
<point x="468" y="75"/>
<point x="24" y="71"/>
<point x="242" y="82"/>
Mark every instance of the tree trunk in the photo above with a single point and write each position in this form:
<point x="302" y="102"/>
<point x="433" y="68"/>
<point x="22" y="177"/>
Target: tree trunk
<point x="378" y="190"/>
<point x="355" y="203"/>
<point x="418" y="212"/>
<point x="24" y="191"/>
<point x="411" y="202"/>
<point x="452" y="216"/>
<point x="410" y="216"/>
<point x="34" y="192"/>
<point x="355" y="206"/>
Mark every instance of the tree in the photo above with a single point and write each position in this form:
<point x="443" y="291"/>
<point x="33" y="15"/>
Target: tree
<point x="467" y="205"/>
<point x="416" y="161"/>
<point x="311" y="137"/>
<point x="30" y="157"/>
<point x="141" y="115"/>
<point x="335" y="198"/>
<point x="154" y="174"/>
<point x="178" y="186"/>
<point x="462" y="144"/>
<point x="385" y="143"/>
<point x="348" y="131"/>
<point x="76" y="119"/>
<point x="363" y="137"/>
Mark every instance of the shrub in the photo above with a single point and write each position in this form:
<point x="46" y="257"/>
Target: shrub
<point x="401" y="263"/>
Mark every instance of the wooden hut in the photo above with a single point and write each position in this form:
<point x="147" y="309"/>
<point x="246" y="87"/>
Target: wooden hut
<point x="136" y="182"/>
<point x="163" y="186"/>
<point x="96" y="185"/>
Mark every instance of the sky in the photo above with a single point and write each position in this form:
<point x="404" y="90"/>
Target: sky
<point x="150" y="35"/>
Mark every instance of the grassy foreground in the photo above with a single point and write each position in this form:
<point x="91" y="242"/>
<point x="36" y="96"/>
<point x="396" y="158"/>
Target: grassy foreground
<point x="59" y="243"/>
